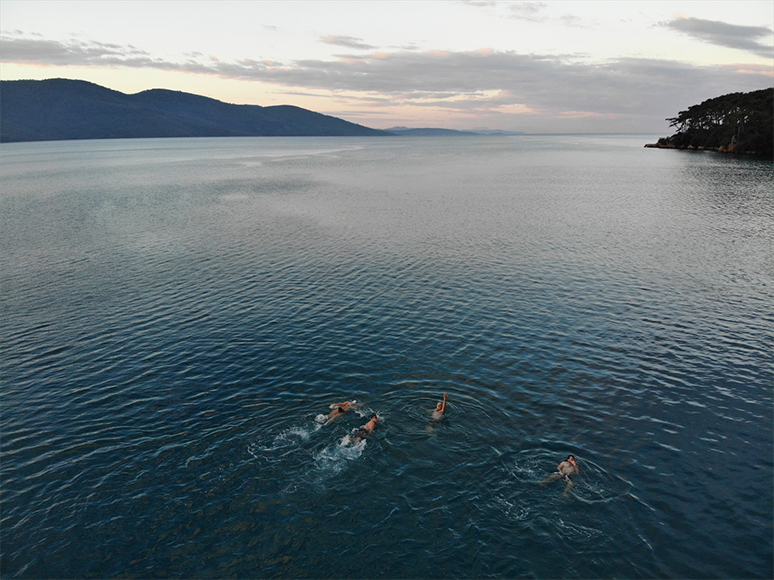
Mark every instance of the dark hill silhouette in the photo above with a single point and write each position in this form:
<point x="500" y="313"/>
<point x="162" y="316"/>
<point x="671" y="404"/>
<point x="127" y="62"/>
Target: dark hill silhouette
<point x="732" y="123"/>
<point x="59" y="109"/>
<point x="429" y="132"/>
<point x="434" y="132"/>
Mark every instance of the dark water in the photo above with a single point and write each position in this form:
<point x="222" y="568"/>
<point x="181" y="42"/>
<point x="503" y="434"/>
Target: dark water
<point x="177" y="313"/>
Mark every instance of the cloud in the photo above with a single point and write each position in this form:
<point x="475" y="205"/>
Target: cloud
<point x="526" y="10"/>
<point x="723" y="34"/>
<point x="347" y="42"/>
<point x="480" y="3"/>
<point x="529" y="11"/>
<point x="482" y="80"/>
<point x="521" y="10"/>
<point x="51" y="52"/>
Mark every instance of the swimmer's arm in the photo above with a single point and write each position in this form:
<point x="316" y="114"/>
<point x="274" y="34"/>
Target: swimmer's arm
<point x="443" y="408"/>
<point x="336" y="405"/>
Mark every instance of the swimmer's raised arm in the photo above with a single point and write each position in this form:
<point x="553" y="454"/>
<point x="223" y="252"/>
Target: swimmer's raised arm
<point x="440" y="409"/>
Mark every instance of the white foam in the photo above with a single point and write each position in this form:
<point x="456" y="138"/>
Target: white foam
<point x="283" y="442"/>
<point x="292" y="436"/>
<point x="334" y="458"/>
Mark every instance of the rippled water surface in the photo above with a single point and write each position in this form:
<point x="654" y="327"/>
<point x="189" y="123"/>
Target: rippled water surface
<point x="177" y="314"/>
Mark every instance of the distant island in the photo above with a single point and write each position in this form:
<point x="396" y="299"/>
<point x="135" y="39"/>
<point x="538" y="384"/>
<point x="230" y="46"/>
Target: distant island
<point x="434" y="132"/>
<point x="61" y="109"/>
<point x="733" y="123"/>
<point x="428" y="132"/>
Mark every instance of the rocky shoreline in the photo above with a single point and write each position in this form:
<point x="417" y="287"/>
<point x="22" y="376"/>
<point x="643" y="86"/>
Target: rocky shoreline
<point x="669" y="143"/>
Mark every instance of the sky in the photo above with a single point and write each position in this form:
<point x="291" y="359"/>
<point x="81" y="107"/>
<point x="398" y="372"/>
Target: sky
<point x="537" y="67"/>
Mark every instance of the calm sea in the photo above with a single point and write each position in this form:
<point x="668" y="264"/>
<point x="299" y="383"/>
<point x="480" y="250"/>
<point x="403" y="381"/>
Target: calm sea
<point x="178" y="314"/>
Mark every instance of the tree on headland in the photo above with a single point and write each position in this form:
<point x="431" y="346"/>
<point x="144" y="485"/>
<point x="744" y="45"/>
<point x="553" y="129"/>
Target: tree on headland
<point x="733" y="123"/>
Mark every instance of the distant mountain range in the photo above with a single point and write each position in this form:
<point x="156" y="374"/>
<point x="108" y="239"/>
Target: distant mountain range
<point x="63" y="109"/>
<point x="58" y="109"/>
<point x="428" y="132"/>
<point x="432" y="132"/>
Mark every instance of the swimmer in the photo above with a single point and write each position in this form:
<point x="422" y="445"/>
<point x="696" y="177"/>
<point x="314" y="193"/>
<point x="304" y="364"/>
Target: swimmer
<point x="565" y="470"/>
<point x="438" y="414"/>
<point x="359" y="434"/>
<point x="339" y="409"/>
<point x="440" y="409"/>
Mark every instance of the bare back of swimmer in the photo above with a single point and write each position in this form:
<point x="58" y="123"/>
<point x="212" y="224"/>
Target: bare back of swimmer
<point x="359" y="434"/>
<point x="565" y="470"/>
<point x="339" y="409"/>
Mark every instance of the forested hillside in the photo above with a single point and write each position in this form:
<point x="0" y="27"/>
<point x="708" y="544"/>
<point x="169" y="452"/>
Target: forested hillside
<point x="734" y="123"/>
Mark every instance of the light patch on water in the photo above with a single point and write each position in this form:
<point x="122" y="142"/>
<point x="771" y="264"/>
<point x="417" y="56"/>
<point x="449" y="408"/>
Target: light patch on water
<point x="234" y="197"/>
<point x="578" y="533"/>
<point x="285" y="441"/>
<point x="512" y="510"/>
<point x="251" y="163"/>
<point x="595" y="489"/>
<point x="334" y="458"/>
<point x="532" y="466"/>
